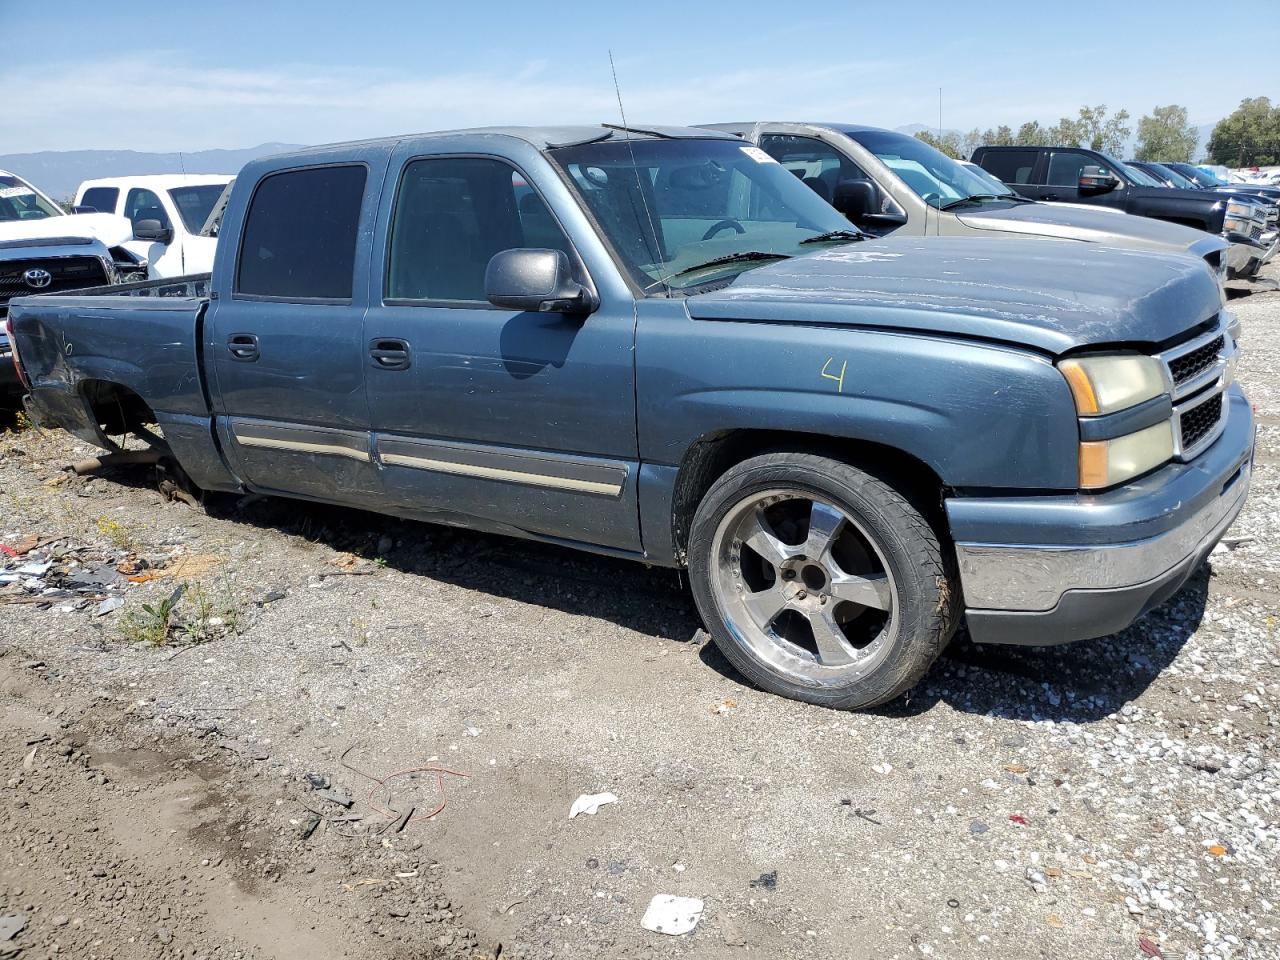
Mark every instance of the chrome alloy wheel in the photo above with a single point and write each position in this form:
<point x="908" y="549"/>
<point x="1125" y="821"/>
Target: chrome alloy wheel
<point x="802" y="585"/>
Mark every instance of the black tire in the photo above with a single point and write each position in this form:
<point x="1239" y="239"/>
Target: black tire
<point x="918" y="561"/>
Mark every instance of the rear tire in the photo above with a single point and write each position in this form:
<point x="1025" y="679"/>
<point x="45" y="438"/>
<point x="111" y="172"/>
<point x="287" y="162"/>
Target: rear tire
<point x="820" y="582"/>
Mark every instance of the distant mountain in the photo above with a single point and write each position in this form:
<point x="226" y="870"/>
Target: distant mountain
<point x="59" y="172"/>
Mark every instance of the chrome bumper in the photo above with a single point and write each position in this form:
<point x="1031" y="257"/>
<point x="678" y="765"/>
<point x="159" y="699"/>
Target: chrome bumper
<point x="1034" y="577"/>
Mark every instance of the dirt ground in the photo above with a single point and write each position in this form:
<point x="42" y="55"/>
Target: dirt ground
<point x="183" y="790"/>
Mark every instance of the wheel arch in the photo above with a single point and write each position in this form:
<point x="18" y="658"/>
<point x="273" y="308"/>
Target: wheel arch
<point x="711" y="455"/>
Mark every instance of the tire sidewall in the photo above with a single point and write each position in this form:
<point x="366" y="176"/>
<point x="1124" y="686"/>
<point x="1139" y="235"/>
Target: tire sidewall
<point x="873" y="505"/>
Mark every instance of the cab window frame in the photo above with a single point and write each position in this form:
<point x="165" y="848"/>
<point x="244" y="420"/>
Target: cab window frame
<point x="578" y="265"/>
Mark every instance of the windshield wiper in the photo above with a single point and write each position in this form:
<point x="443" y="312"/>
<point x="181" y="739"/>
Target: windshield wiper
<point x="746" y="256"/>
<point x="832" y="235"/>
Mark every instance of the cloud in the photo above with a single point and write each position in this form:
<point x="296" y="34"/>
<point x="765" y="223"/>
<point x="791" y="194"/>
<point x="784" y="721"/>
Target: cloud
<point x="103" y="104"/>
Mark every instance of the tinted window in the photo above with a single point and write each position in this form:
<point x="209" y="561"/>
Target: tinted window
<point x="452" y="215"/>
<point x="195" y="203"/>
<point x="819" y="165"/>
<point x="102" y="199"/>
<point x="1065" y="167"/>
<point x="299" y="238"/>
<point x="19" y="202"/>
<point x="1010" y="166"/>
<point x="144" y="205"/>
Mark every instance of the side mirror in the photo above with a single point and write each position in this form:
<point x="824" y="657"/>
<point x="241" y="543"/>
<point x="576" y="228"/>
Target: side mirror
<point x="1094" y="180"/>
<point x="861" y="202"/>
<point x="536" y="280"/>
<point x="153" y="231"/>
<point x="81" y="208"/>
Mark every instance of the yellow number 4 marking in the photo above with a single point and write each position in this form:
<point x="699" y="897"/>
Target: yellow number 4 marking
<point x="844" y="365"/>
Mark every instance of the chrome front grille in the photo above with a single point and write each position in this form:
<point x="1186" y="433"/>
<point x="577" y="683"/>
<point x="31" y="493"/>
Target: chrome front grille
<point x="1197" y="373"/>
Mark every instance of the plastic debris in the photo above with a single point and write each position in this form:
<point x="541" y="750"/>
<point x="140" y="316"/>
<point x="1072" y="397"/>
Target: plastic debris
<point x="589" y="803"/>
<point x="672" y="916"/>
<point x="1018" y="818"/>
<point x="108" y="605"/>
<point x="1148" y="947"/>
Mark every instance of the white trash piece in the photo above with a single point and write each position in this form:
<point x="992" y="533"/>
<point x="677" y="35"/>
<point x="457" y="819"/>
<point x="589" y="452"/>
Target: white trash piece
<point x="589" y="803"/>
<point x="672" y="915"/>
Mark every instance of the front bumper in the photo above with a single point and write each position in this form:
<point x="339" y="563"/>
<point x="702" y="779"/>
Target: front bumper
<point x="1245" y="255"/>
<point x="1046" y="570"/>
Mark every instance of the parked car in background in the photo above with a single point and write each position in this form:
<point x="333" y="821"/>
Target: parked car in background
<point x="1206" y="180"/>
<point x="659" y="345"/>
<point x="167" y="213"/>
<point x="43" y="248"/>
<point x="1164" y="175"/>
<point x="888" y="183"/>
<point x="1080" y="175"/>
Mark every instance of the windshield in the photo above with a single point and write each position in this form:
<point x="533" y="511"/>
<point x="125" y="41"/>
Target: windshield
<point x="933" y="175"/>
<point x="1179" y="181"/>
<point x="19" y="201"/>
<point x="195" y="203"/>
<point x="1201" y="178"/>
<point x="686" y="203"/>
<point x="1141" y="176"/>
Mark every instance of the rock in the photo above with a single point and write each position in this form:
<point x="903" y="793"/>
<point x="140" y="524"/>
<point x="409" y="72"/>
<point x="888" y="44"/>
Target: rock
<point x="11" y="924"/>
<point x="164" y="935"/>
<point x="977" y="827"/>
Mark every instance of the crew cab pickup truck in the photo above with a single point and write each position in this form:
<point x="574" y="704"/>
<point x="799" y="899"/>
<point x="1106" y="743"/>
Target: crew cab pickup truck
<point x="1078" y="175"/>
<point x="659" y="344"/>
<point x="167" y="213"/>
<point x="889" y="183"/>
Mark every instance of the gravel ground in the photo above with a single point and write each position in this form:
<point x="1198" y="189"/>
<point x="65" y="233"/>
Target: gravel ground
<point x="1111" y="798"/>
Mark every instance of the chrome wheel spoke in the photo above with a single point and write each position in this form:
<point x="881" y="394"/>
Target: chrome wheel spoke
<point x="759" y="536"/>
<point x="834" y="649"/>
<point x="871" y="590"/>
<point x="824" y="526"/>
<point x="765" y="605"/>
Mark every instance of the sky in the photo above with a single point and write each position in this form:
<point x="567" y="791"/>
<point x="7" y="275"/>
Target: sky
<point x="167" y="76"/>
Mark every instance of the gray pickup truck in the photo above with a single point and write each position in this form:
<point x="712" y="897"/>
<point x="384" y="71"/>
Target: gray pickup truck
<point x="659" y="344"/>
<point x="887" y="183"/>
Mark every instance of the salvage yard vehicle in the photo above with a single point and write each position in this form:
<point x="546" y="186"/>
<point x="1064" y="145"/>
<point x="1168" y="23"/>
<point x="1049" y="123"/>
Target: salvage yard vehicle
<point x="43" y="248"/>
<point x="167" y="213"/>
<point x="1080" y="175"/>
<point x="660" y="345"/>
<point x="890" y="183"/>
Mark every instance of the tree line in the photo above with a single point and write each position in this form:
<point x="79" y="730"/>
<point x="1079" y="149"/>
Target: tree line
<point x="1250" y="135"/>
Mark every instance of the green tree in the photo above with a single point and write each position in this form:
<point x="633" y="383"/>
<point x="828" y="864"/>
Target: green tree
<point x="1249" y="135"/>
<point x="951" y="143"/>
<point x="1091" y="128"/>
<point x="1165" y="134"/>
<point x="1031" y="134"/>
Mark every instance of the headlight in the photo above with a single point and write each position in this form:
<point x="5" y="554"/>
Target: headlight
<point x="1105" y="384"/>
<point x="1105" y="463"/>
<point x="1241" y="217"/>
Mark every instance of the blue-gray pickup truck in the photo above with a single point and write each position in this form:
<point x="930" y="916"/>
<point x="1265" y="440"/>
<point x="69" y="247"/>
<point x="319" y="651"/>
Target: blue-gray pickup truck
<point x="659" y="344"/>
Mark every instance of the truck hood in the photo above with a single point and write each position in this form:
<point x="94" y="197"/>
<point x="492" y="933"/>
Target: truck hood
<point x="1050" y="295"/>
<point x="110" y="229"/>
<point x="1079" y="222"/>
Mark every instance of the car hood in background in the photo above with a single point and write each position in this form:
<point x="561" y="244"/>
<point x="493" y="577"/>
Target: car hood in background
<point x="111" y="229"/>
<point x="1051" y="295"/>
<point x="1079" y="222"/>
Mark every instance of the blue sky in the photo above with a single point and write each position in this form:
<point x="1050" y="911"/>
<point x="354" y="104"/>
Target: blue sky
<point x="187" y="76"/>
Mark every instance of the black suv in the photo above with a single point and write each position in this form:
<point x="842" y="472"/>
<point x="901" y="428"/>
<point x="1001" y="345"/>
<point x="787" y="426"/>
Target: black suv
<point x="1079" y="175"/>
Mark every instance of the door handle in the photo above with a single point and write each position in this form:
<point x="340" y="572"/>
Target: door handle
<point x="390" y="353"/>
<point x="243" y="347"/>
<point x="1050" y="196"/>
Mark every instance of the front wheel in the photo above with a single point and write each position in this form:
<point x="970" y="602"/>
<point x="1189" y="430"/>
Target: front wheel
<point x="820" y="582"/>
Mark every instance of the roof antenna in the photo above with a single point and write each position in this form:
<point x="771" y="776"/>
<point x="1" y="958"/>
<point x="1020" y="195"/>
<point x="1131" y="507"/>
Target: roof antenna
<point x="626" y="133"/>
<point x="938" y="218"/>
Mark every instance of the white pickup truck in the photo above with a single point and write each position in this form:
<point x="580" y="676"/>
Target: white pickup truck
<point x="43" y="249"/>
<point x="167" y="212"/>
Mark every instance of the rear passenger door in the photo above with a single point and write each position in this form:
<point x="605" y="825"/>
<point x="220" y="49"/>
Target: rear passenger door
<point x="287" y="346"/>
<point x="507" y="420"/>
